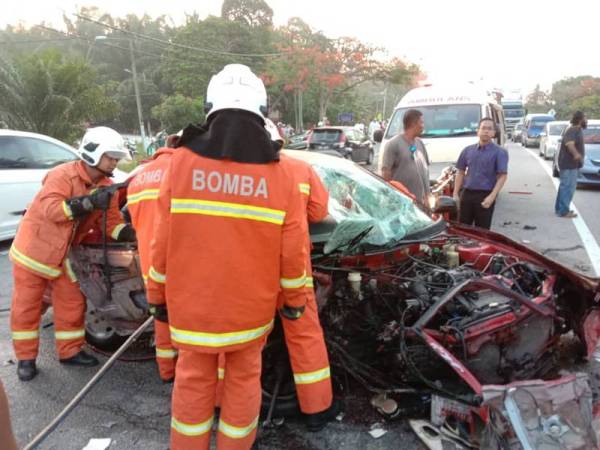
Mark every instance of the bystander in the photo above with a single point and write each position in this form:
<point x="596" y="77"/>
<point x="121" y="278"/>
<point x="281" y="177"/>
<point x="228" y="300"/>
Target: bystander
<point x="482" y="169"/>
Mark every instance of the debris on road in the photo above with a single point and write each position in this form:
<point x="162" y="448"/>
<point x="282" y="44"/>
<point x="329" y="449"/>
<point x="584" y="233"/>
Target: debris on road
<point x="377" y="430"/>
<point x="97" y="444"/>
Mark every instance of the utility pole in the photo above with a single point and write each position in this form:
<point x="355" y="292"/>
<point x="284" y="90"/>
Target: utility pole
<point x="138" y="101"/>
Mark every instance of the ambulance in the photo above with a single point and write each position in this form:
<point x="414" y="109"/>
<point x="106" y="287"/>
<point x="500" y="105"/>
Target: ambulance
<point x="451" y="115"/>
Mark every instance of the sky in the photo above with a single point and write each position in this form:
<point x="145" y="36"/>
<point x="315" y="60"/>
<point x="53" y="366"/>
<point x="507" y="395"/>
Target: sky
<point x="509" y="44"/>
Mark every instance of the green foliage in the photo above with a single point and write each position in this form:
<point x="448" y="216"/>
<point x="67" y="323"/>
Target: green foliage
<point x="51" y="94"/>
<point x="177" y="111"/>
<point x="254" y="13"/>
<point x="590" y="105"/>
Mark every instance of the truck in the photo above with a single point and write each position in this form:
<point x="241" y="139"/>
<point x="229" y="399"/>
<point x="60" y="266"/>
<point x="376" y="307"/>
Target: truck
<point x="514" y="111"/>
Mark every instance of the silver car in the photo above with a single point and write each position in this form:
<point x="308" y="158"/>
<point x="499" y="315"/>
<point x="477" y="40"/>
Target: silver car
<point x="550" y="138"/>
<point x="589" y="174"/>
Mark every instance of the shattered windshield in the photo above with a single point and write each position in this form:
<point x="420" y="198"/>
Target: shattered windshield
<point x="367" y="210"/>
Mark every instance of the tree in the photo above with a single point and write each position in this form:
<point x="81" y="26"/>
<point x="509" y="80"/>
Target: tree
<point x="590" y="105"/>
<point x="177" y="111"/>
<point x="567" y="90"/>
<point x="538" y="101"/>
<point x="254" y="13"/>
<point x="51" y="94"/>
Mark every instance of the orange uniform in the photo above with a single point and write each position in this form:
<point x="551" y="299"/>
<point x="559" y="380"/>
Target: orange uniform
<point x="230" y="236"/>
<point x="304" y="337"/>
<point x="142" y="196"/>
<point x="39" y="253"/>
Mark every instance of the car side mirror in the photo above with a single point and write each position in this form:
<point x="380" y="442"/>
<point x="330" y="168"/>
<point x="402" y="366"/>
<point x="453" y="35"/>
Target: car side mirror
<point x="378" y="135"/>
<point x="445" y="204"/>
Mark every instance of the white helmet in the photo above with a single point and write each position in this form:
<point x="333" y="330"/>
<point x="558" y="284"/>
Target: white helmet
<point x="99" y="141"/>
<point x="236" y="87"/>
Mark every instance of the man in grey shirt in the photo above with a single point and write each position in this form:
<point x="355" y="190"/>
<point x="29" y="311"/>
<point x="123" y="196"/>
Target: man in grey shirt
<point x="405" y="158"/>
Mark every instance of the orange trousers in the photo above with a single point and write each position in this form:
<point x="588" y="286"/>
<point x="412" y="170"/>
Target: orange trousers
<point x="308" y="356"/>
<point x="194" y="399"/>
<point x="166" y="354"/>
<point x="26" y="312"/>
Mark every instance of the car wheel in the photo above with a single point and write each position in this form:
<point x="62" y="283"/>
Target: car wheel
<point x="370" y="157"/>
<point x="555" y="171"/>
<point x="277" y="371"/>
<point x="540" y="152"/>
<point x="99" y="333"/>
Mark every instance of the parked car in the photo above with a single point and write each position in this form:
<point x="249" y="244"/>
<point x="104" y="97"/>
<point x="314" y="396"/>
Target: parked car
<point x="409" y="305"/>
<point x="589" y="174"/>
<point x="298" y="141"/>
<point x="550" y="138"/>
<point x="517" y="133"/>
<point x="533" y="126"/>
<point x="345" y="142"/>
<point x="25" y="158"/>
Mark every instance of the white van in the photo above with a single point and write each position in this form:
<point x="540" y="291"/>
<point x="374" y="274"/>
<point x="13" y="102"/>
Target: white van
<point x="451" y="115"/>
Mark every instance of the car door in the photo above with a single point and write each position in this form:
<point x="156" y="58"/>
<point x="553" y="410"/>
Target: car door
<point x="353" y="144"/>
<point x="24" y="161"/>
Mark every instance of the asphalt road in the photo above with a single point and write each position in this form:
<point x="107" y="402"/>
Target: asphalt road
<point x="131" y="406"/>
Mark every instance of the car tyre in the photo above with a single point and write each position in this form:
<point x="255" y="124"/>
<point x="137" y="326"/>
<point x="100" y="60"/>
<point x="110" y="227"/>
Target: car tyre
<point x="99" y="334"/>
<point x="555" y="171"/>
<point x="371" y="157"/>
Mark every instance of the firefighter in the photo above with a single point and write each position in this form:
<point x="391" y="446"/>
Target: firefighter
<point x="304" y="337"/>
<point x="230" y="235"/>
<point x="142" y="194"/>
<point x="61" y="214"/>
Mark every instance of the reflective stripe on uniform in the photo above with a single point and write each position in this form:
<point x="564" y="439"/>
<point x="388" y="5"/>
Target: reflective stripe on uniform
<point x="33" y="264"/>
<point x="67" y="210"/>
<point x="224" y="209"/>
<point x="220" y="373"/>
<point x="65" y="335"/>
<point x="237" y="432"/>
<point x="293" y="283"/>
<point x="310" y="282"/>
<point x="25" y="335"/>
<point x="146" y="194"/>
<point x="218" y="339"/>
<point x="192" y="429"/>
<point x="70" y="272"/>
<point x="157" y="276"/>
<point x="169" y="353"/>
<point x="304" y="188"/>
<point x="312" y="377"/>
<point x="116" y="231"/>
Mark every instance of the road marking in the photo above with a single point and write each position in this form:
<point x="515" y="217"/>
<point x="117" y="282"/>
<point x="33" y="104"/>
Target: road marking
<point x="587" y="238"/>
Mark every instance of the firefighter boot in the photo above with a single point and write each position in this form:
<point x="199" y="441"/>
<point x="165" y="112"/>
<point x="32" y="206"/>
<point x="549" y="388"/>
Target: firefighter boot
<point x="80" y="359"/>
<point x="26" y="370"/>
<point x="318" y="421"/>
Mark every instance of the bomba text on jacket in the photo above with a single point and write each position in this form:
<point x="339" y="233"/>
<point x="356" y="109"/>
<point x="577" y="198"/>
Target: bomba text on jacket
<point x="228" y="183"/>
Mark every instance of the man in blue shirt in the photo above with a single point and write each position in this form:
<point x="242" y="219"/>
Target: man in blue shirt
<point x="482" y="171"/>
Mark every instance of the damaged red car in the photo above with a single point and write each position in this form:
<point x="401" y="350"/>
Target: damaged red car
<point x="467" y="319"/>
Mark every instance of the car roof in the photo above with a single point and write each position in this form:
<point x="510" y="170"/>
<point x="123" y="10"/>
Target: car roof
<point x="558" y="122"/>
<point x="445" y="95"/>
<point x="334" y="127"/>
<point x="43" y="137"/>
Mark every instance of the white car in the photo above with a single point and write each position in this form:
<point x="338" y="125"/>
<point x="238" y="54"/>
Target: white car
<point x="550" y="138"/>
<point x="25" y="158"/>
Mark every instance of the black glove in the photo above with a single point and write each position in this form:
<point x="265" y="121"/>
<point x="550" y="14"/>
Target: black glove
<point x="100" y="198"/>
<point x="79" y="206"/>
<point x="127" y="234"/>
<point x="291" y="313"/>
<point x="159" y="312"/>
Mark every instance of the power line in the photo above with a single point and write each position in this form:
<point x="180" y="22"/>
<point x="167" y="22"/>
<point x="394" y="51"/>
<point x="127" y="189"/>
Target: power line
<point x="35" y="41"/>
<point x="174" y="44"/>
<point x="92" y="41"/>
